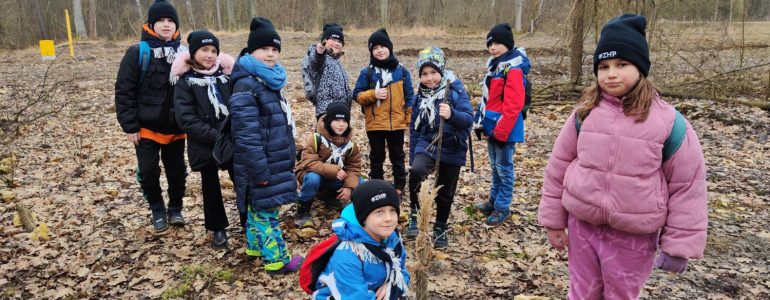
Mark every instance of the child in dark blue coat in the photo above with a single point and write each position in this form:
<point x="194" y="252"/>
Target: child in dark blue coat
<point x="433" y="105"/>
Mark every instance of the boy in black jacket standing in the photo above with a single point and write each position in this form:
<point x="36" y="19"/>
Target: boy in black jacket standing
<point x="145" y="109"/>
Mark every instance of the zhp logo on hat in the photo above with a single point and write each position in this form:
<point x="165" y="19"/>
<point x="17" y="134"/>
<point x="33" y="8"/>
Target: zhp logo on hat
<point x="207" y="41"/>
<point x="277" y="41"/>
<point x="609" y="54"/>
<point x="335" y="36"/>
<point x="379" y="197"/>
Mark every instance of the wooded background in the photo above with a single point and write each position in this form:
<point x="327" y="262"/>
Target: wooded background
<point x="26" y="22"/>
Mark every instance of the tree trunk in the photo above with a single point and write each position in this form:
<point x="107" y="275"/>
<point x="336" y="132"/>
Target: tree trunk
<point x="384" y="13"/>
<point x="190" y="15"/>
<point x="716" y="10"/>
<point x="77" y="16"/>
<point x="92" y="19"/>
<point x="40" y="21"/>
<point x="319" y="14"/>
<point x="219" y="16"/>
<point x="139" y="10"/>
<point x="230" y="14"/>
<point x="731" y="10"/>
<point x="519" y="8"/>
<point x="576" y="42"/>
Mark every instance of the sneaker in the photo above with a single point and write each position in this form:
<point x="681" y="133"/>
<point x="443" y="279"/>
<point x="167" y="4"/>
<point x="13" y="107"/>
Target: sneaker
<point x="498" y="217"/>
<point x="175" y="218"/>
<point x="293" y="266"/>
<point x="485" y="208"/>
<point x="219" y="239"/>
<point x="159" y="221"/>
<point x="412" y="231"/>
<point x="440" y="233"/>
<point x="302" y="218"/>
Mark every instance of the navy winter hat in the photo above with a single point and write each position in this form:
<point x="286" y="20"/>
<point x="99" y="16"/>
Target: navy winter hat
<point x="371" y="195"/>
<point x="262" y="33"/>
<point x="336" y="110"/>
<point x="623" y="37"/>
<point x="333" y="30"/>
<point x="502" y="34"/>
<point x="200" y="38"/>
<point x="162" y="9"/>
<point x="380" y="37"/>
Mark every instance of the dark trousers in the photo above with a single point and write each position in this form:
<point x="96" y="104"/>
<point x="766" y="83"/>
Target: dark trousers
<point x="213" y="208"/>
<point x="149" y="154"/>
<point x="395" y="143"/>
<point x="447" y="179"/>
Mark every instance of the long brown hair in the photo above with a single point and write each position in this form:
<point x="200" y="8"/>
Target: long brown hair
<point x="635" y="103"/>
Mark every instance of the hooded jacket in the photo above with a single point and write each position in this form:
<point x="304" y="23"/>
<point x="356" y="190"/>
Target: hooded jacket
<point x="614" y="174"/>
<point x="393" y="112"/>
<point x="503" y="98"/>
<point x="314" y="157"/>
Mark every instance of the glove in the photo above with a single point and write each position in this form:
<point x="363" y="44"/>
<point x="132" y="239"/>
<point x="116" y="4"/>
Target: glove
<point x="671" y="264"/>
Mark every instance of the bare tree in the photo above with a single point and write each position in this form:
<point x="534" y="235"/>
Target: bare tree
<point x="219" y="16"/>
<point x="576" y="41"/>
<point x="92" y="19"/>
<point x="384" y="13"/>
<point x="139" y="9"/>
<point x="519" y="8"/>
<point x="230" y="14"/>
<point x="77" y="16"/>
<point x="190" y="15"/>
<point x="40" y="20"/>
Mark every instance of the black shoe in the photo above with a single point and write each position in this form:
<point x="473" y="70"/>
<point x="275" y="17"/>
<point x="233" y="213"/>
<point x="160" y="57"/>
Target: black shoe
<point x="302" y="218"/>
<point x="159" y="221"/>
<point x="219" y="240"/>
<point x="175" y="218"/>
<point x="440" y="233"/>
<point x="412" y="231"/>
<point x="333" y="203"/>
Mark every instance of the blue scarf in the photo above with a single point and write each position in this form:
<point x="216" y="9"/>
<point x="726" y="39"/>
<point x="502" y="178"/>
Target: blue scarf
<point x="274" y="78"/>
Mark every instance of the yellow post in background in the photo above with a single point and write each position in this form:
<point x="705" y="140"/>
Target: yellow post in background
<point x="47" y="50"/>
<point x="69" y="33"/>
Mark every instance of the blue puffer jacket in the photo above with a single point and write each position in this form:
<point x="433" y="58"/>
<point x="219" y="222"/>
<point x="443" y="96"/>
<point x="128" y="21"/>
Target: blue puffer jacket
<point x="264" y="149"/>
<point x="455" y="141"/>
<point x="353" y="271"/>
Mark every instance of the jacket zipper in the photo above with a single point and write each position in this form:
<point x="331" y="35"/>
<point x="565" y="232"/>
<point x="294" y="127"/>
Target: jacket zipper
<point x="390" y="100"/>
<point x="610" y="157"/>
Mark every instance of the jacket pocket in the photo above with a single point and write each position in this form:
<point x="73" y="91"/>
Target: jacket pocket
<point x="151" y="109"/>
<point x="489" y="122"/>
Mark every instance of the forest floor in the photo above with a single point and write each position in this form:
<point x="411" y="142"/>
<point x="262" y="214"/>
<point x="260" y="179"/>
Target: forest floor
<point x="76" y="172"/>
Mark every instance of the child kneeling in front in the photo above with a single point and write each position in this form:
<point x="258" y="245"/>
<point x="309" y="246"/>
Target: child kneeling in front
<point x="370" y="262"/>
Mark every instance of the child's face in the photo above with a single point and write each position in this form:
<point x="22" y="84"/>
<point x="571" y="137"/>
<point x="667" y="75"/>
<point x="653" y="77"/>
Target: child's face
<point x="380" y="52"/>
<point x="339" y="126"/>
<point x="429" y="77"/>
<point x="164" y="28"/>
<point x="381" y="222"/>
<point x="333" y="44"/>
<point x="496" y="49"/>
<point x="268" y="55"/>
<point x="206" y="56"/>
<point x="617" y="77"/>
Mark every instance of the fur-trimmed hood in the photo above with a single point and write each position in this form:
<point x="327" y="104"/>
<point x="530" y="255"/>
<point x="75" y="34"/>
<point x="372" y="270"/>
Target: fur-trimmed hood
<point x="181" y="65"/>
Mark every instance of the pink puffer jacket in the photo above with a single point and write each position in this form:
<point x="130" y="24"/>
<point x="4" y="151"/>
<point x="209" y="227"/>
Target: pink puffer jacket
<point x="614" y="174"/>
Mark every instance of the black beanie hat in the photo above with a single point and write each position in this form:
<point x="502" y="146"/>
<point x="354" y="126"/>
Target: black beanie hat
<point x="262" y="34"/>
<point x="200" y="38"/>
<point x="502" y="34"/>
<point x="623" y="37"/>
<point x="333" y="30"/>
<point x="336" y="110"/>
<point x="162" y="9"/>
<point x="380" y="37"/>
<point x="372" y="195"/>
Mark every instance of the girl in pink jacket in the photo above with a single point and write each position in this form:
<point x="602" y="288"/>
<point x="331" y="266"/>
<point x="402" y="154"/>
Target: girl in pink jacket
<point x="626" y="175"/>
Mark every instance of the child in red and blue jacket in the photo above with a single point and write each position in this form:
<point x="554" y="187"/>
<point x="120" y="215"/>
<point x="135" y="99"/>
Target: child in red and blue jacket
<point x="499" y="117"/>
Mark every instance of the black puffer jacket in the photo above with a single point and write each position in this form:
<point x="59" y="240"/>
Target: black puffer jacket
<point x="196" y="116"/>
<point x="144" y="104"/>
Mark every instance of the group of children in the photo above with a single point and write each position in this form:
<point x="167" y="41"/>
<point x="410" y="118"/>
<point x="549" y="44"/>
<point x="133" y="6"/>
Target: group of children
<point x="618" y="208"/>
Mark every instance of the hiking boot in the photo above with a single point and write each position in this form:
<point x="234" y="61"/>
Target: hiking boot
<point x="219" y="239"/>
<point x="412" y="231"/>
<point x="175" y="218"/>
<point x="303" y="217"/>
<point x="291" y="267"/>
<point x="485" y="208"/>
<point x="159" y="221"/>
<point x="498" y="217"/>
<point x="440" y="233"/>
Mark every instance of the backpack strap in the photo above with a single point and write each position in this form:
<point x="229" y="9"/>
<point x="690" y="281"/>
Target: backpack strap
<point x="676" y="137"/>
<point x="144" y="58"/>
<point x="316" y="141"/>
<point x="370" y="76"/>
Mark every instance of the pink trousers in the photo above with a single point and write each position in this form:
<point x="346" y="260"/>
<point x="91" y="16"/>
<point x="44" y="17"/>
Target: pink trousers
<point x="605" y="263"/>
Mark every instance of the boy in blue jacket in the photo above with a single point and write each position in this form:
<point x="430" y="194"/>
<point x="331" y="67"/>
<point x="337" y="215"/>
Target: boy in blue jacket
<point x="431" y="105"/>
<point x="362" y="266"/>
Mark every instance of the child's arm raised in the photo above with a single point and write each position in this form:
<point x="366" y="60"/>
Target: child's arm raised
<point x="551" y="213"/>
<point x="684" y="234"/>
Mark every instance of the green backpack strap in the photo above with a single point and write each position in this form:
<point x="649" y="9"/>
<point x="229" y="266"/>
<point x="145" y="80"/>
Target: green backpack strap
<point x="676" y="137"/>
<point x="317" y="141"/>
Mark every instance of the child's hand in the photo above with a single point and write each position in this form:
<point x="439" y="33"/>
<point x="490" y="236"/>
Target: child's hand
<point x="444" y="111"/>
<point x="381" y="292"/>
<point x="320" y="49"/>
<point x="344" y="194"/>
<point x="341" y="175"/>
<point x="558" y="238"/>
<point x="133" y="138"/>
<point x="671" y="264"/>
<point x="381" y="93"/>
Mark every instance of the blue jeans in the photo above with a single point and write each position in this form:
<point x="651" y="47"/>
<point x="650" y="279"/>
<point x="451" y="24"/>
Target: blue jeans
<point x="501" y="162"/>
<point x="312" y="183"/>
